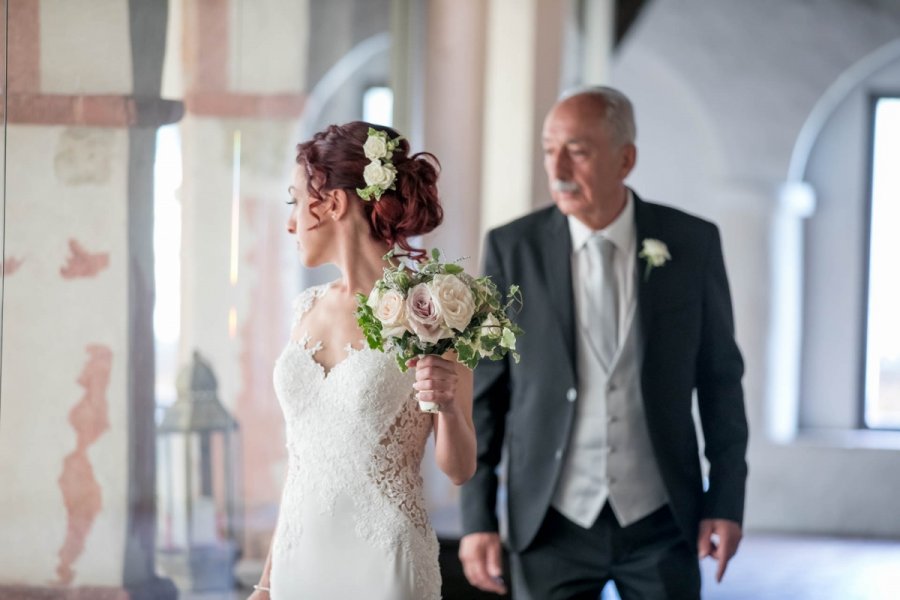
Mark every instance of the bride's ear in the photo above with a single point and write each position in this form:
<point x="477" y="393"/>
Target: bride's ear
<point x="339" y="202"/>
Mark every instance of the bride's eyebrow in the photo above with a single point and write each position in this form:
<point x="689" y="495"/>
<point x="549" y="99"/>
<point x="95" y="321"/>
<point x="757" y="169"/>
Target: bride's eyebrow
<point x="291" y="190"/>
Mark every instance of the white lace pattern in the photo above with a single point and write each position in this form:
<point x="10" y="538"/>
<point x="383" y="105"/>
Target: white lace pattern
<point x="355" y="432"/>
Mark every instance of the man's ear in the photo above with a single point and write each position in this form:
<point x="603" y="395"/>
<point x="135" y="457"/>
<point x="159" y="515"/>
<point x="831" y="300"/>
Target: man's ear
<point x="629" y="159"/>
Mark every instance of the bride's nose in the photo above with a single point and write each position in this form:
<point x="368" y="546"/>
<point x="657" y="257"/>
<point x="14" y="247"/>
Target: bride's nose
<point x="292" y="225"/>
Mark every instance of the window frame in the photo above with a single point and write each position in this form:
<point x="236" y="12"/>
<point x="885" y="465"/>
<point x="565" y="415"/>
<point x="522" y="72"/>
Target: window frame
<point x="874" y="97"/>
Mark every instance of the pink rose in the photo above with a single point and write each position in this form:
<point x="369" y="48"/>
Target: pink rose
<point x="425" y="316"/>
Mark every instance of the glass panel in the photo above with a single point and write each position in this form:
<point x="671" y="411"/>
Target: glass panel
<point x="3" y="110"/>
<point x="883" y="335"/>
<point x="147" y="261"/>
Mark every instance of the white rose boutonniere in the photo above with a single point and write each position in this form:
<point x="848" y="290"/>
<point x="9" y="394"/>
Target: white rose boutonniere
<point x="656" y="253"/>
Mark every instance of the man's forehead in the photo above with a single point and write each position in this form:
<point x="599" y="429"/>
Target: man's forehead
<point x="570" y="132"/>
<point x="564" y="139"/>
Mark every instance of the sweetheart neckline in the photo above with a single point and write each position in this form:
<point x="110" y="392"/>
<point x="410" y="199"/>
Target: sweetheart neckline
<point x="326" y="373"/>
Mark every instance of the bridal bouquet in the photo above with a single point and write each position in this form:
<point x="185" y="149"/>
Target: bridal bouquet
<point x="434" y="307"/>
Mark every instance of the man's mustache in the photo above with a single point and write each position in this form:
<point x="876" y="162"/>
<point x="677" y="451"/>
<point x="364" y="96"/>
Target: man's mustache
<point x="561" y="185"/>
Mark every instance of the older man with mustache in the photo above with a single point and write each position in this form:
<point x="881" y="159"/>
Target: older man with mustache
<point x="628" y="313"/>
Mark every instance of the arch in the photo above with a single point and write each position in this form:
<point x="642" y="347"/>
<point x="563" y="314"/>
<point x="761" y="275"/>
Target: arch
<point x="836" y="93"/>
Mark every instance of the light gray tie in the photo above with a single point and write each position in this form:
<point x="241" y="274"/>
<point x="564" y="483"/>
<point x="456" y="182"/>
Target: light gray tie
<point x="602" y="295"/>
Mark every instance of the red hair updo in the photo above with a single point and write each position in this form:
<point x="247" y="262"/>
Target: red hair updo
<point x="334" y="159"/>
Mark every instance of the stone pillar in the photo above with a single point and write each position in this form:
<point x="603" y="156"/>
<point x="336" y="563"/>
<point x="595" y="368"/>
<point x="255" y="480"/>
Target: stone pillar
<point x="454" y="40"/>
<point x="599" y="29"/>
<point x="77" y="446"/>
<point x="524" y="45"/>
<point x="454" y="106"/>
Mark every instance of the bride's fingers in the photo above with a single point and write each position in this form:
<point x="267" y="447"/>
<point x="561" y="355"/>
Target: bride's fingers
<point x="436" y="396"/>
<point x="435" y="384"/>
<point x="430" y="373"/>
<point x="437" y="362"/>
<point x="439" y="394"/>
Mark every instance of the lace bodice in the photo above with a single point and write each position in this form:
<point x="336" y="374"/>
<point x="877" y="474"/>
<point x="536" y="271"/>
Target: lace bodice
<point x="355" y="431"/>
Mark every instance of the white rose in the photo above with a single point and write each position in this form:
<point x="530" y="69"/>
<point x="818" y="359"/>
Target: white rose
<point x="656" y="252"/>
<point x="391" y="311"/>
<point x="425" y="316"/>
<point x="454" y="300"/>
<point x="375" y="147"/>
<point x="379" y="175"/>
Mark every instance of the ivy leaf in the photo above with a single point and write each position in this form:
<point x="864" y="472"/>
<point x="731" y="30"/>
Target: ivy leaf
<point x="508" y="339"/>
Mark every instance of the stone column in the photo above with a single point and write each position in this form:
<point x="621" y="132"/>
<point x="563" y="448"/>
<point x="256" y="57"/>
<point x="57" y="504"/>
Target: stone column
<point x="454" y="107"/>
<point x="524" y="45"/>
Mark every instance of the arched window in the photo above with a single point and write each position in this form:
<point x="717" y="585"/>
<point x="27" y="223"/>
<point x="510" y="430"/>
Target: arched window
<point x="881" y="408"/>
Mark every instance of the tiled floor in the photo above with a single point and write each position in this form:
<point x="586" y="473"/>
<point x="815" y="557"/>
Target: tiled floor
<point x="772" y="567"/>
<point x="808" y="568"/>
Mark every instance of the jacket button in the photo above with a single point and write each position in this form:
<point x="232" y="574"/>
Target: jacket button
<point x="558" y="454"/>
<point x="572" y="395"/>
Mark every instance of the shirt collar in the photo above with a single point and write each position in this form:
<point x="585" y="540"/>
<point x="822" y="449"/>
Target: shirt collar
<point x="620" y="232"/>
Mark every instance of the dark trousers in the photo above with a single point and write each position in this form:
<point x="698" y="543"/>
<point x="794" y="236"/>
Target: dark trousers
<point x="647" y="560"/>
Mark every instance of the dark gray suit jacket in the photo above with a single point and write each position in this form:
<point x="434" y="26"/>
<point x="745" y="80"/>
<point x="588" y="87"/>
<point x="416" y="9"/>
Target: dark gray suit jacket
<point x="688" y="336"/>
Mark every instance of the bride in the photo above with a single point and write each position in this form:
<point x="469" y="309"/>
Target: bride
<point x="352" y="521"/>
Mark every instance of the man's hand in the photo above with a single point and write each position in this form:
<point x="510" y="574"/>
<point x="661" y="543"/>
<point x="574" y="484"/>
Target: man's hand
<point x="718" y="538"/>
<point x="481" y="557"/>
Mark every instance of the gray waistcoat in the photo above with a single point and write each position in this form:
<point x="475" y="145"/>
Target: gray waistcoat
<point x="610" y="455"/>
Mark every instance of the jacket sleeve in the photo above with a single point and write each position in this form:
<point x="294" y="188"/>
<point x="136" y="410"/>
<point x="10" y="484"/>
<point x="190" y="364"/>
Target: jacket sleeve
<point x="720" y="394"/>
<point x="478" y="496"/>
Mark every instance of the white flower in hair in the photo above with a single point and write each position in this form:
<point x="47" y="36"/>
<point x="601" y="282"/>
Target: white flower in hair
<point x="380" y="173"/>
<point x="375" y="147"/>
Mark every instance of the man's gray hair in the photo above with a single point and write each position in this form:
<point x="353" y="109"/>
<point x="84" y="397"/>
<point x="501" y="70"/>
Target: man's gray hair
<point x="618" y="113"/>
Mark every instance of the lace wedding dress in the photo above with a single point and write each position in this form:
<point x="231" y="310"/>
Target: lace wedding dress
<point x="352" y="522"/>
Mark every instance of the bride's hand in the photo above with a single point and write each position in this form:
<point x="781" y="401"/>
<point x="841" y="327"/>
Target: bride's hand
<point x="436" y="381"/>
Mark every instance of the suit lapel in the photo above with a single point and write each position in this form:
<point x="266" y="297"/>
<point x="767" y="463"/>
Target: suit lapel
<point x="556" y="250"/>
<point x="646" y="228"/>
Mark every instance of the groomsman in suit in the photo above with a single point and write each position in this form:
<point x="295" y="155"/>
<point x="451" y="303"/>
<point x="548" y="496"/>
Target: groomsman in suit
<point x="627" y="313"/>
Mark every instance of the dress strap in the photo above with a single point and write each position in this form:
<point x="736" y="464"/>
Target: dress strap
<point x="305" y="301"/>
